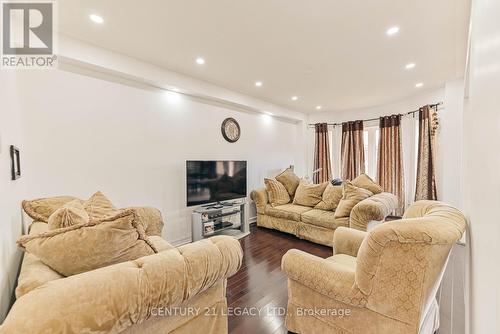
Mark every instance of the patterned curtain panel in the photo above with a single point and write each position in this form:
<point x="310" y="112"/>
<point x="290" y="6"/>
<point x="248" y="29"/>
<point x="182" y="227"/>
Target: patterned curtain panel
<point x="322" y="154"/>
<point x="426" y="177"/>
<point x="390" y="171"/>
<point x="353" y="150"/>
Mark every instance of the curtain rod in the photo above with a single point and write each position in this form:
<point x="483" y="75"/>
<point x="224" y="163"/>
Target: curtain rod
<point x="377" y="118"/>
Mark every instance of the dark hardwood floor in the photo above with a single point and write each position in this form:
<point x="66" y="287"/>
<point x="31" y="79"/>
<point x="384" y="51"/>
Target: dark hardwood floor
<point x="260" y="285"/>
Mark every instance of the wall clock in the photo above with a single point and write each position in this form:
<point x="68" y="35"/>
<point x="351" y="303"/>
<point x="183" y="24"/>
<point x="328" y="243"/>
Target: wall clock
<point x="230" y="130"/>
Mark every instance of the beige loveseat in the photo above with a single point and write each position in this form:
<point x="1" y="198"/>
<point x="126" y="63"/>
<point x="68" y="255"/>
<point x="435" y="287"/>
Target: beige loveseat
<point x="177" y="290"/>
<point x="384" y="281"/>
<point x="318" y="225"/>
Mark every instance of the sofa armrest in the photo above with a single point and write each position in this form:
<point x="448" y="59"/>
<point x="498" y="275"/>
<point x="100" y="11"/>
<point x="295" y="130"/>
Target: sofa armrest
<point x="347" y="241"/>
<point x="111" y="299"/>
<point x="259" y="196"/>
<point x="323" y="276"/>
<point x="375" y="208"/>
<point x="151" y="219"/>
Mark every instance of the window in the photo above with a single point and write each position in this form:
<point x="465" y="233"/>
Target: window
<point x="371" y="136"/>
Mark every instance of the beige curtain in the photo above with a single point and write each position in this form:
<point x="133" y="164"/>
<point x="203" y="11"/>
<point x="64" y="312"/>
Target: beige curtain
<point x="390" y="172"/>
<point x="352" y="151"/>
<point x="426" y="178"/>
<point x="322" y="154"/>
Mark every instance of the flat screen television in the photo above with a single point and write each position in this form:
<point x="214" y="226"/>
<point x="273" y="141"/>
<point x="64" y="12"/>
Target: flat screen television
<point x="215" y="181"/>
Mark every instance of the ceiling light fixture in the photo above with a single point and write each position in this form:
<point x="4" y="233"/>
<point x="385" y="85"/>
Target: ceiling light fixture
<point x="96" y="19"/>
<point x="409" y="66"/>
<point x="295" y="98"/>
<point x="392" y="31"/>
<point x="420" y="84"/>
<point x="200" y="61"/>
<point x="258" y="83"/>
<point x="268" y="113"/>
<point x="318" y="107"/>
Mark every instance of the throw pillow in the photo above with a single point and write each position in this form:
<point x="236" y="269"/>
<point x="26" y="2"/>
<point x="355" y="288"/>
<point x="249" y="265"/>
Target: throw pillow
<point x="69" y="214"/>
<point x="290" y="180"/>
<point x="40" y="209"/>
<point x="366" y="182"/>
<point x="98" y="206"/>
<point x="277" y="192"/>
<point x="84" y="247"/>
<point x="309" y="194"/>
<point x="331" y="198"/>
<point x="352" y="195"/>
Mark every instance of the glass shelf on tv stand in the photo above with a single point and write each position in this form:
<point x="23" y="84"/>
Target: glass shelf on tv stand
<point x="210" y="215"/>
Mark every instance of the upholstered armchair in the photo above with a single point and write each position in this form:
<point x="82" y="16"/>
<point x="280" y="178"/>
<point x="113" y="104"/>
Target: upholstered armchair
<point x="383" y="281"/>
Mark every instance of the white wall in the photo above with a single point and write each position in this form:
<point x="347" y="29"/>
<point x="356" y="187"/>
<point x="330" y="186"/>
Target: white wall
<point x="11" y="192"/>
<point x="85" y="134"/>
<point x="482" y="166"/>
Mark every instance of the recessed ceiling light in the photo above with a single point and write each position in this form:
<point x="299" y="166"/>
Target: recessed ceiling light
<point x="409" y="66"/>
<point x="295" y="98"/>
<point x="392" y="30"/>
<point x="200" y="61"/>
<point x="420" y="84"/>
<point x="96" y="18"/>
<point x="258" y="83"/>
<point x="318" y="107"/>
<point x="268" y="113"/>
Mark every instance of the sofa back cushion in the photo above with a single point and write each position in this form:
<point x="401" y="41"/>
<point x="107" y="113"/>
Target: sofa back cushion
<point x="99" y="206"/>
<point x="416" y="248"/>
<point x="42" y="208"/>
<point x="309" y="194"/>
<point x="366" y="182"/>
<point x="69" y="214"/>
<point x="352" y="195"/>
<point x="290" y="180"/>
<point x="330" y="198"/>
<point x="276" y="192"/>
<point x="150" y="218"/>
<point x="98" y="243"/>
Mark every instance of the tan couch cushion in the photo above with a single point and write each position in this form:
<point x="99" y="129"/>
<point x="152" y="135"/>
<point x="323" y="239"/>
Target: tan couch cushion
<point x="347" y="261"/>
<point x="290" y="180"/>
<point x="99" y="206"/>
<point x="69" y="214"/>
<point x="276" y="192"/>
<point x="98" y="243"/>
<point x="323" y="218"/>
<point x="330" y="198"/>
<point x="309" y="194"/>
<point x="150" y="218"/>
<point x="287" y="211"/>
<point x="352" y="196"/>
<point x="40" y="209"/>
<point x="34" y="272"/>
<point x="159" y="243"/>
<point x="366" y="182"/>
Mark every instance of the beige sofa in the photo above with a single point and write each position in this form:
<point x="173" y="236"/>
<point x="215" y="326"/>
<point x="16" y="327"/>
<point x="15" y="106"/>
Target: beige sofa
<point x="318" y="225"/>
<point x="177" y="290"/>
<point x="384" y="281"/>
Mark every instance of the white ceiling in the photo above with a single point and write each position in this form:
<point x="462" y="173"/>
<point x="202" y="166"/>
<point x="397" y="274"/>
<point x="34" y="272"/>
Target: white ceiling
<point x="333" y="53"/>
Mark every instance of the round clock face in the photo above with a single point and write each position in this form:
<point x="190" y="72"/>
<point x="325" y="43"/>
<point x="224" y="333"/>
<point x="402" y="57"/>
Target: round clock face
<point x="230" y="130"/>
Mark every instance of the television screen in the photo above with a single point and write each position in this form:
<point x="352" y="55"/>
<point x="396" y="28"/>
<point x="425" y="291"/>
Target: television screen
<point x="215" y="181"/>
